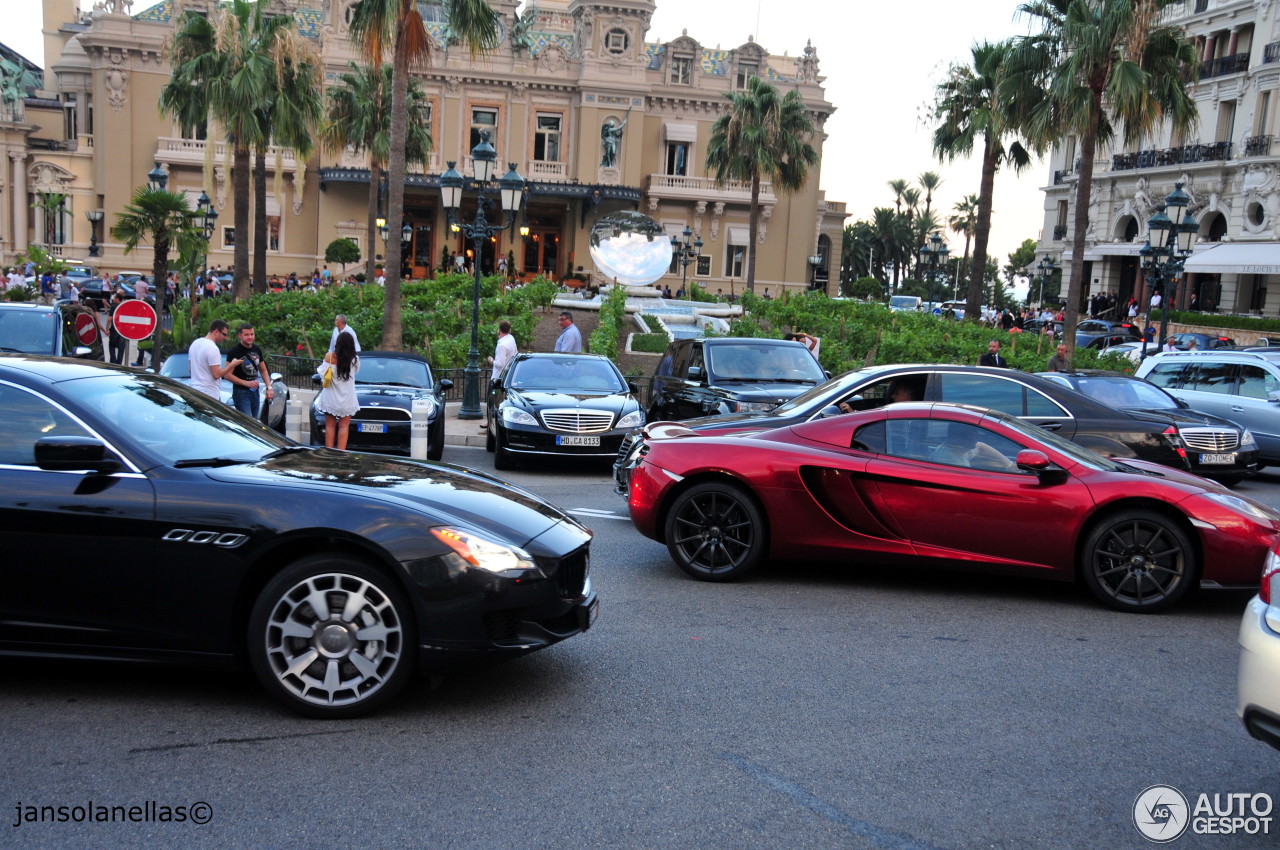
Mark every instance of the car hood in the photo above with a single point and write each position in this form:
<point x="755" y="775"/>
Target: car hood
<point x="1184" y="418"/>
<point x="446" y="494"/>
<point x="760" y="391"/>
<point x="587" y="399"/>
<point x="382" y="395"/>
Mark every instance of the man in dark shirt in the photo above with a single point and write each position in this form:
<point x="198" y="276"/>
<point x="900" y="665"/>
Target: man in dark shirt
<point x="993" y="357"/>
<point x="245" y="377"/>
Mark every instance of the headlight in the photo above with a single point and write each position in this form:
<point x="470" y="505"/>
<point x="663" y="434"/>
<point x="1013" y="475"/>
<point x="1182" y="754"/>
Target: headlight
<point x="755" y="406"/>
<point x="516" y="416"/>
<point x="1240" y="505"/>
<point x="497" y="558"/>
<point x="634" y="419"/>
<point x="1246" y="439"/>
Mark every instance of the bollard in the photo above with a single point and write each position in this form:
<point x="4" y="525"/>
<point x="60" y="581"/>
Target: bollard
<point x="419" y="439"/>
<point x="294" y="414"/>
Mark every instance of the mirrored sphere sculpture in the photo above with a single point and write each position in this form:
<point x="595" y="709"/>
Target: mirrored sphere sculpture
<point x="630" y="247"/>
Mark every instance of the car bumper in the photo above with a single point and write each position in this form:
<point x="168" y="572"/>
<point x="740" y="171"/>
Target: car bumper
<point x="1258" y="702"/>
<point x="534" y="441"/>
<point x="396" y="438"/>
<point x="1246" y="464"/>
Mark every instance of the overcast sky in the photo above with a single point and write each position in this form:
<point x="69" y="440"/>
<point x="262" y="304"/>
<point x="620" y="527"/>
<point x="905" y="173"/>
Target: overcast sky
<point x="881" y="62"/>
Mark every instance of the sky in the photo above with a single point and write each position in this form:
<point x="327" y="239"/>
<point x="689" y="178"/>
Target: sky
<point x="882" y="62"/>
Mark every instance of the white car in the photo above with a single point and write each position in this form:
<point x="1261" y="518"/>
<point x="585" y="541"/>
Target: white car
<point x="1259" y="683"/>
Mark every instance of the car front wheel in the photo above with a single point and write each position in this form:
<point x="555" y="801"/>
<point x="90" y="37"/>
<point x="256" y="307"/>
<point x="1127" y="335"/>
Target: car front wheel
<point x="715" y="532"/>
<point x="332" y="637"/>
<point x="1138" y="561"/>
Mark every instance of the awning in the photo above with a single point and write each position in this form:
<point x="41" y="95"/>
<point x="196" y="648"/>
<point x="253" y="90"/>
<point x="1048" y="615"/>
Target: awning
<point x="680" y="132"/>
<point x="1237" y="258"/>
<point x="738" y="236"/>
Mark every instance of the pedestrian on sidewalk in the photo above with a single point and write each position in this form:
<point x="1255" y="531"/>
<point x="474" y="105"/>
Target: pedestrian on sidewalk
<point x="503" y="352"/>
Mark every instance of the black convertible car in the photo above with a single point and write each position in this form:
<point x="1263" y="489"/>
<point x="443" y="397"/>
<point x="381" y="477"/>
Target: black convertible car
<point x="560" y="404"/>
<point x="388" y="383"/>
<point x="143" y="520"/>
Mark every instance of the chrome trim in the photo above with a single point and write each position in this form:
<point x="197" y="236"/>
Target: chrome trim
<point x="575" y="420"/>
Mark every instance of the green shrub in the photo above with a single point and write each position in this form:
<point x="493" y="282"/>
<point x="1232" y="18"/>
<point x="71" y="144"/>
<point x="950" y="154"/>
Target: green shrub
<point x="650" y="343"/>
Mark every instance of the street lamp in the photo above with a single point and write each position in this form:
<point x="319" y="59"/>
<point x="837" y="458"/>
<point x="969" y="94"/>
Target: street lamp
<point x="511" y="193"/>
<point x="686" y="252"/>
<point x="933" y="256"/>
<point x="1172" y="236"/>
<point x="814" y="262"/>
<point x="157" y="178"/>
<point x="95" y="217"/>
<point x="1046" y="267"/>
<point x="206" y="217"/>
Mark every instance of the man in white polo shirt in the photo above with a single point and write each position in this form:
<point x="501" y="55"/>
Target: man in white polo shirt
<point x="205" y="360"/>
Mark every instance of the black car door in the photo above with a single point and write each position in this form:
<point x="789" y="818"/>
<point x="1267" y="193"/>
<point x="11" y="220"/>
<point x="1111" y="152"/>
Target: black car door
<point x="79" y="547"/>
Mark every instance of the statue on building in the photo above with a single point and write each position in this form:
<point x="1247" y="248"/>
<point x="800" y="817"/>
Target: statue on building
<point x="16" y="82"/>
<point x="521" y="34"/>
<point x="610" y="139"/>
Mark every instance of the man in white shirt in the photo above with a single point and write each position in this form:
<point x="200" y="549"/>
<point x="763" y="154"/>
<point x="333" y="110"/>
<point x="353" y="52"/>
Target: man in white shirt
<point x="141" y="288"/>
<point x="570" y="338"/>
<point x="340" y="326"/>
<point x="502" y="354"/>
<point x="205" y="360"/>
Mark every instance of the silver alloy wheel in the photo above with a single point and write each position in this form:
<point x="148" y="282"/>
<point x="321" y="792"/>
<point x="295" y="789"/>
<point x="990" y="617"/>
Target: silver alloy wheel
<point x="334" y="639"/>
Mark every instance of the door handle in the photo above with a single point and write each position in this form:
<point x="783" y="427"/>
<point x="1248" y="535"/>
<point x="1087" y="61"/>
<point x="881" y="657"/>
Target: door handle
<point x="1051" y="426"/>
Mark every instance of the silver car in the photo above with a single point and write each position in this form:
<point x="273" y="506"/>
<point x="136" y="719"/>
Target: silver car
<point x="1259" y="684"/>
<point x="178" y="367"/>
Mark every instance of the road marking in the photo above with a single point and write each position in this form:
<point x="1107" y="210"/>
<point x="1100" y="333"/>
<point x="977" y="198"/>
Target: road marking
<point x="597" y="513"/>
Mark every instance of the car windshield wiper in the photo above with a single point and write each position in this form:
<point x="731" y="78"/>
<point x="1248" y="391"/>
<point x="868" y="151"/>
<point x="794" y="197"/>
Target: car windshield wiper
<point x="285" y="450"/>
<point x="14" y="350"/>
<point x="209" y="461"/>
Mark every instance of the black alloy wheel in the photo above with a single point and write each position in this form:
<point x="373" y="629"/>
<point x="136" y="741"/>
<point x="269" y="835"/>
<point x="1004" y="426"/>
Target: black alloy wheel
<point x="715" y="532"/>
<point x="1139" y="561"/>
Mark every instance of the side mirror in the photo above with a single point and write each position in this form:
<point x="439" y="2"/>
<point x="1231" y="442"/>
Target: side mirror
<point x="316" y="382"/>
<point x="634" y="387"/>
<point x="1030" y="460"/>
<point x="276" y="376"/>
<point x="73" y="454"/>
<point x="444" y="385"/>
<point x="82" y="351"/>
<point x="695" y="373"/>
<point x="830" y="410"/>
<point x="1274" y="398"/>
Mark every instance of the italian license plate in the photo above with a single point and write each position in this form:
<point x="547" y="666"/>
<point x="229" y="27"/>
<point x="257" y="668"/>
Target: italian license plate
<point x="373" y="428"/>
<point x="1218" y="459"/>
<point x="577" y="441"/>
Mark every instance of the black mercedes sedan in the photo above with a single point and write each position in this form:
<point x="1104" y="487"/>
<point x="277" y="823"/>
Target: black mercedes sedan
<point x="388" y="385"/>
<point x="1108" y="431"/>
<point x="144" y="521"/>
<point x="576" y="405"/>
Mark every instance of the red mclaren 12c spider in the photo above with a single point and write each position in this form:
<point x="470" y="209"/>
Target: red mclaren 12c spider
<point x="951" y="485"/>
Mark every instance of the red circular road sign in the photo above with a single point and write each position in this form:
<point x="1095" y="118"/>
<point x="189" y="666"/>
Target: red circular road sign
<point x="86" y="328"/>
<point x="134" y="319"/>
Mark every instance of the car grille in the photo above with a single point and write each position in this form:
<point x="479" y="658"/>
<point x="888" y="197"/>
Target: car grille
<point x="577" y="421"/>
<point x="1210" y="439"/>
<point x="383" y="414"/>
<point x="628" y="443"/>
<point x="569" y="572"/>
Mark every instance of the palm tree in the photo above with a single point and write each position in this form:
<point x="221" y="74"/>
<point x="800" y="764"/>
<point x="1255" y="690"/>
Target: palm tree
<point x="893" y="239"/>
<point x="359" y="116"/>
<point x="898" y="186"/>
<point x="929" y="181"/>
<point x="395" y="27"/>
<point x="963" y="221"/>
<point x="224" y="69"/>
<point x="1103" y="63"/>
<point x="762" y="137"/>
<point x="970" y="109"/>
<point x="162" y="217"/>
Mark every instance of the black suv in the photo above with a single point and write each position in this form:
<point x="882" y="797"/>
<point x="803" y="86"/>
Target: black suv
<point x="707" y="377"/>
<point x="31" y="328"/>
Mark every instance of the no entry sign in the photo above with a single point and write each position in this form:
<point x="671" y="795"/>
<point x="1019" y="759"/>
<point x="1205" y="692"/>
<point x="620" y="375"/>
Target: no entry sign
<point x="86" y="328"/>
<point x="134" y="319"/>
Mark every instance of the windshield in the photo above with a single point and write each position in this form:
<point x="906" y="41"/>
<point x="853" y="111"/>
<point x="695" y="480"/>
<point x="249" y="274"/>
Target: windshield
<point x="393" y="370"/>
<point x="820" y="396"/>
<point x="567" y="374"/>
<point x="1062" y="445"/>
<point x="756" y="362"/>
<point x="170" y="421"/>
<point x="176" y="366"/>
<point x="1126" y="394"/>
<point x="29" y="331"/>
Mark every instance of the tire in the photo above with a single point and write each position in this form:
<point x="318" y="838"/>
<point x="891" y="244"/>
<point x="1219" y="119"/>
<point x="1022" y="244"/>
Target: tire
<point x="435" y="444"/>
<point x="502" y="459"/>
<point x="715" y="532"/>
<point x="1139" y="561"/>
<point x="339" y="665"/>
<point x="488" y="439"/>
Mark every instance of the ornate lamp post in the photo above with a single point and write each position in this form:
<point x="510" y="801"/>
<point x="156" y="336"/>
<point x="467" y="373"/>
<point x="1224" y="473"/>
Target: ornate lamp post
<point x="157" y="178"/>
<point x="814" y="262"/>
<point x="933" y="256"/>
<point x="1171" y="238"/>
<point x="1046" y="267"/>
<point x="206" y="217"/>
<point x="686" y="252"/>
<point x="95" y="218"/>
<point x="511" y="193"/>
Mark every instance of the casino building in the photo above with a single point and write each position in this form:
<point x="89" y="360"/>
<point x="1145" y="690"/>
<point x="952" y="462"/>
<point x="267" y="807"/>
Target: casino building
<point x="567" y="74"/>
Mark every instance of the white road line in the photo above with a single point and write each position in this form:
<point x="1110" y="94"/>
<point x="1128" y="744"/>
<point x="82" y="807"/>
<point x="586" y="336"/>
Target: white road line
<point x="596" y="513"/>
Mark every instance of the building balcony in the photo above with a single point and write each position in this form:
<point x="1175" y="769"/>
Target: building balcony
<point x="1059" y="233"/>
<point x="174" y="151"/>
<point x="552" y="172"/>
<point x="1271" y="53"/>
<point x="680" y="188"/>
<point x="1234" y="64"/>
<point x="1211" y="152"/>
<point x="1257" y="146"/>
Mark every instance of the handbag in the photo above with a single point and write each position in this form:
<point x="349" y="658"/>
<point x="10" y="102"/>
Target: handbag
<point x="328" y="378"/>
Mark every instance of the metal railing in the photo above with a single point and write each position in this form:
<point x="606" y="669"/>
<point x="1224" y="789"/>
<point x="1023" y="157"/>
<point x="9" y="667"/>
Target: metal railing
<point x="1210" y="152"/>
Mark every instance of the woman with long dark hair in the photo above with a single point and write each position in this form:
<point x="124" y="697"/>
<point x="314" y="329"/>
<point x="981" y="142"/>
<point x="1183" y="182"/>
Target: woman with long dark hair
<point x="338" y="400"/>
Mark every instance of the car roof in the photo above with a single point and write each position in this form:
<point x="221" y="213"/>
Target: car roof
<point x="56" y="369"/>
<point x="1233" y="354"/>
<point x="544" y="355"/>
<point x="29" y="306"/>
<point x="397" y="355"/>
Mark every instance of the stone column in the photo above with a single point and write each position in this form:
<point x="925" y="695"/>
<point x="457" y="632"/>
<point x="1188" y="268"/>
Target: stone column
<point x="19" y="183"/>
<point x="1234" y="40"/>
<point x="1210" y="43"/>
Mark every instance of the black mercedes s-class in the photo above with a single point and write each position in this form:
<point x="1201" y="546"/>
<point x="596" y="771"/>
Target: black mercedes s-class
<point x="145" y="521"/>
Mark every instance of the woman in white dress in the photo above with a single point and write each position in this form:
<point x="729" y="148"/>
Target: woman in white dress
<point x="338" y="401"/>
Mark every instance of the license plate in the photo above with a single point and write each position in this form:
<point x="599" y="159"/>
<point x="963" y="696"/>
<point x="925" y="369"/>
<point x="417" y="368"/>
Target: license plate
<point x="1208" y="460"/>
<point x="373" y="428"/>
<point x="577" y="441"/>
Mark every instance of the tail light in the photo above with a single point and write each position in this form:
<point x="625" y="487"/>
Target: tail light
<point x="1269" y="589"/>
<point x="1175" y="440"/>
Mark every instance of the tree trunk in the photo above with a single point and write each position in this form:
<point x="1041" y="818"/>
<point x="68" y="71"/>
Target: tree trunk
<point x="981" y="231"/>
<point x="259" y="281"/>
<point x="392" y="331"/>
<point x="240" y="208"/>
<point x="371" y="229"/>
<point x="159" y="266"/>
<point x="1080" y="225"/>
<point x="753" y="221"/>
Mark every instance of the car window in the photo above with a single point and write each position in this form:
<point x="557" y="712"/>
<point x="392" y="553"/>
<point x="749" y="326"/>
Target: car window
<point x="998" y="394"/>
<point x="1168" y="375"/>
<point x="392" y="370"/>
<point x="755" y="361"/>
<point x="30" y="331"/>
<point x="27" y="418"/>
<point x="1125" y="393"/>
<point x="1256" y="382"/>
<point x="871" y="438"/>
<point x="950" y="444"/>
<point x="1209" y="378"/>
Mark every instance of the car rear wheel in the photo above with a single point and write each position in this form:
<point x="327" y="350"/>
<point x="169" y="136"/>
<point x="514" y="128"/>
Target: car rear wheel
<point x="332" y="637"/>
<point x="715" y="532"/>
<point x="1139" y="561"/>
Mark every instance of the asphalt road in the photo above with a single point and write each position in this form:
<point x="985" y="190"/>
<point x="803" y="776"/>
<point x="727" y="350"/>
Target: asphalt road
<point x="811" y="707"/>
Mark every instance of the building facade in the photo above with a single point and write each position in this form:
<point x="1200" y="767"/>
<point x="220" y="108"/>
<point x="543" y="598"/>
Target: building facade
<point x="593" y="116"/>
<point x="1229" y="166"/>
